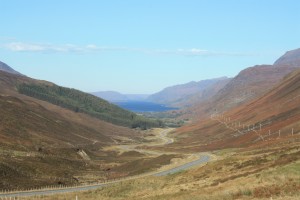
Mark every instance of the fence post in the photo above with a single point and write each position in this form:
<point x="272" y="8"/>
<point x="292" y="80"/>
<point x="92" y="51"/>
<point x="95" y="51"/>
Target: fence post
<point x="292" y="131"/>
<point x="260" y="127"/>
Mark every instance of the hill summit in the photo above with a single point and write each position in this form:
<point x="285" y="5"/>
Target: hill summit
<point x="6" y="68"/>
<point x="290" y="58"/>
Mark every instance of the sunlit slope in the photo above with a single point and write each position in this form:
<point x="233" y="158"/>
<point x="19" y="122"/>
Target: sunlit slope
<point x="271" y="118"/>
<point x="78" y="101"/>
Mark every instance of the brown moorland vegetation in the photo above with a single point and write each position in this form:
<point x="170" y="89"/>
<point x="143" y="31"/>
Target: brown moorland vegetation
<point x="44" y="144"/>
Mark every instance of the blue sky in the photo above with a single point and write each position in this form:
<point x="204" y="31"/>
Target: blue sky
<point x="136" y="46"/>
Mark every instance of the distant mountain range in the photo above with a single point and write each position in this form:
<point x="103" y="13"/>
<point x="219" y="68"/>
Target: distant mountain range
<point x="114" y="96"/>
<point x="223" y="93"/>
<point x="182" y="95"/>
<point x="187" y="94"/>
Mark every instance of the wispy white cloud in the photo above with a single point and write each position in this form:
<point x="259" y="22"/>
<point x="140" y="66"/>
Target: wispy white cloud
<point x="71" y="48"/>
<point x="33" y="47"/>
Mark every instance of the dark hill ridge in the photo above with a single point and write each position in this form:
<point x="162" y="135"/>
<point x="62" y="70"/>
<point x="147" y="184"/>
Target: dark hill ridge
<point x="78" y="101"/>
<point x="75" y="100"/>
<point x="6" y="68"/>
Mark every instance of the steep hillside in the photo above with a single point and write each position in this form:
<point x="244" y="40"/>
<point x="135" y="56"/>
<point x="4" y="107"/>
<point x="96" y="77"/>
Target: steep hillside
<point x="45" y="144"/>
<point x="186" y="94"/>
<point x="4" y="67"/>
<point x="78" y="101"/>
<point x="72" y="99"/>
<point x="290" y="58"/>
<point x="249" y="84"/>
<point x="272" y="118"/>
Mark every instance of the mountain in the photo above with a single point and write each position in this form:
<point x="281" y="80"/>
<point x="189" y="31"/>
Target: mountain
<point x="269" y="119"/>
<point x="113" y="96"/>
<point x="249" y="84"/>
<point x="43" y="140"/>
<point x="290" y="58"/>
<point x="257" y="107"/>
<point x="137" y="97"/>
<point x="51" y="135"/>
<point x="6" y="68"/>
<point x="186" y="94"/>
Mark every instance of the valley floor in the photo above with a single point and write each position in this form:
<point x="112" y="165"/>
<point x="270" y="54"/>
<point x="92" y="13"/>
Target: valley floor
<point x="267" y="172"/>
<point x="157" y="137"/>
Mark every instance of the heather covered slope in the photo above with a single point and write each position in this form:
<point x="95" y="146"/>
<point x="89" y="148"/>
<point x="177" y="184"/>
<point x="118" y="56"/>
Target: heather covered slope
<point x="78" y="101"/>
<point x="271" y="118"/>
<point x="74" y="100"/>
<point x="53" y="144"/>
<point x="249" y="84"/>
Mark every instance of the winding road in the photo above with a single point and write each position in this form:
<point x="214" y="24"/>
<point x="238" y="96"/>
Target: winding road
<point x="202" y="159"/>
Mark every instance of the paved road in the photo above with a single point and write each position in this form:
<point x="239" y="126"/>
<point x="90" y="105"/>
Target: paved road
<point x="204" y="158"/>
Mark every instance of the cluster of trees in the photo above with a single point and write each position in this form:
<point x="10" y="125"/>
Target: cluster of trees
<point x="86" y="103"/>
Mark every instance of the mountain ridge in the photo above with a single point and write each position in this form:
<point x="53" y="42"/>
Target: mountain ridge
<point x="114" y="96"/>
<point x="6" y="68"/>
<point x="290" y="58"/>
<point x="180" y="95"/>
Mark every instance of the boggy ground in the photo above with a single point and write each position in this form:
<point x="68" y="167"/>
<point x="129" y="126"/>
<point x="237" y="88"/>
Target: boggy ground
<point x="266" y="172"/>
